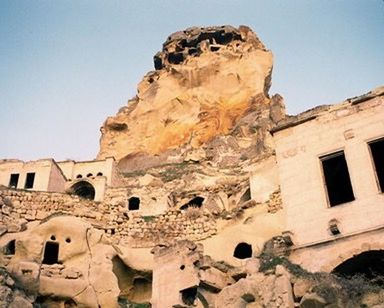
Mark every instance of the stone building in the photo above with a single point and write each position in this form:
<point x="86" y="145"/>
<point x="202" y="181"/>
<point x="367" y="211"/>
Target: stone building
<point x="331" y="172"/>
<point x="202" y="182"/>
<point x="40" y="175"/>
<point x="87" y="179"/>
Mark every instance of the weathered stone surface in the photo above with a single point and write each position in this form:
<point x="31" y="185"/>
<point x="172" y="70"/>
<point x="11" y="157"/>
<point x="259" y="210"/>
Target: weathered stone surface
<point x="214" y="279"/>
<point x="206" y="80"/>
<point x="19" y="301"/>
<point x="301" y="287"/>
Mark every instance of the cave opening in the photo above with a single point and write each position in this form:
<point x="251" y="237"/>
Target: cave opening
<point x="369" y="264"/>
<point x="175" y="58"/>
<point x="243" y="251"/>
<point x="51" y="253"/>
<point x="188" y="296"/>
<point x="133" y="203"/>
<point x="196" y="202"/>
<point x="10" y="248"/>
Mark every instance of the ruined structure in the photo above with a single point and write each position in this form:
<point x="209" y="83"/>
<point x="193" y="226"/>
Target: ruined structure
<point x="205" y="194"/>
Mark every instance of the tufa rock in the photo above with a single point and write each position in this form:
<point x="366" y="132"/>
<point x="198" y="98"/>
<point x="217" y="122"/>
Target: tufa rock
<point x="206" y="79"/>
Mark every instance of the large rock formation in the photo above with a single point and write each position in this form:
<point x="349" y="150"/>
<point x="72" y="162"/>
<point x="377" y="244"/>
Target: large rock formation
<point x="206" y="79"/>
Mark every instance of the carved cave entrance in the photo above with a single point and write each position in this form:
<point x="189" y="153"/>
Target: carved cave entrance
<point x="51" y="253"/>
<point x="84" y="190"/>
<point x="133" y="203"/>
<point x="369" y="264"/>
<point x="243" y="251"/>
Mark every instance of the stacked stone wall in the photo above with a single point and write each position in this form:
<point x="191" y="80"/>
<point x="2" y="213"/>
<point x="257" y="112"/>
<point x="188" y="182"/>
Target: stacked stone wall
<point x="18" y="207"/>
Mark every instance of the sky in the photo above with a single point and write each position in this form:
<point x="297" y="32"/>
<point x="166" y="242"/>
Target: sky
<point x="66" y="65"/>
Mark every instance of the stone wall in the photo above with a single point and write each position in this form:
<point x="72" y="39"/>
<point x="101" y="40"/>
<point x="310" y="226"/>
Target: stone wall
<point x="19" y="207"/>
<point x="190" y="224"/>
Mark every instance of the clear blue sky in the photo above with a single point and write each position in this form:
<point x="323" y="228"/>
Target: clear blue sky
<point x="67" y="65"/>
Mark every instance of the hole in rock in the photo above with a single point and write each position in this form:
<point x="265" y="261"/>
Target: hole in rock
<point x="175" y="58"/>
<point x="68" y="239"/>
<point x="10" y="248"/>
<point x="195" y="202"/>
<point x="243" y="251"/>
<point x="188" y="296"/>
<point x="51" y="253"/>
<point x="79" y="176"/>
<point x="369" y="264"/>
<point x="133" y="203"/>
<point x="99" y="174"/>
<point x="89" y="175"/>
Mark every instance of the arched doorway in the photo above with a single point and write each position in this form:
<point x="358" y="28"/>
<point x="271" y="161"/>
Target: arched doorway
<point x="84" y="190"/>
<point x="196" y="202"/>
<point x="370" y="264"/>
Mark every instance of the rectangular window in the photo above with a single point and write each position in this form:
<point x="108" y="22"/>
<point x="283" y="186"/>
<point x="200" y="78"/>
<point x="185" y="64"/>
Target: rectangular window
<point x="13" y="180"/>
<point x="29" y="180"/>
<point x="377" y="151"/>
<point x="337" y="180"/>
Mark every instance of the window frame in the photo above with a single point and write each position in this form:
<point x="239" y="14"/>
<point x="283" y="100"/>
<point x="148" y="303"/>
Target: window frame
<point x="330" y="155"/>
<point x="10" y="180"/>
<point x="33" y="180"/>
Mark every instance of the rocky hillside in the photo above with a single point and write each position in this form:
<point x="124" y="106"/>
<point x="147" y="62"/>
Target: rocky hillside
<point x="206" y="80"/>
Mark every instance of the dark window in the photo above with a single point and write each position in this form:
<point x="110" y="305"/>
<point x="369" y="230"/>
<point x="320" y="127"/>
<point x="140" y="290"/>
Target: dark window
<point x="14" y="180"/>
<point x="243" y="251"/>
<point x="377" y="150"/>
<point x="195" y="202"/>
<point x="29" y="180"/>
<point x="133" y="203"/>
<point x="337" y="180"/>
<point x="51" y="253"/>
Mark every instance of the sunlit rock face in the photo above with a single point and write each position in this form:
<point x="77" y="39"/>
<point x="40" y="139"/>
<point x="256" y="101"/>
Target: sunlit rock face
<point x="205" y="80"/>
